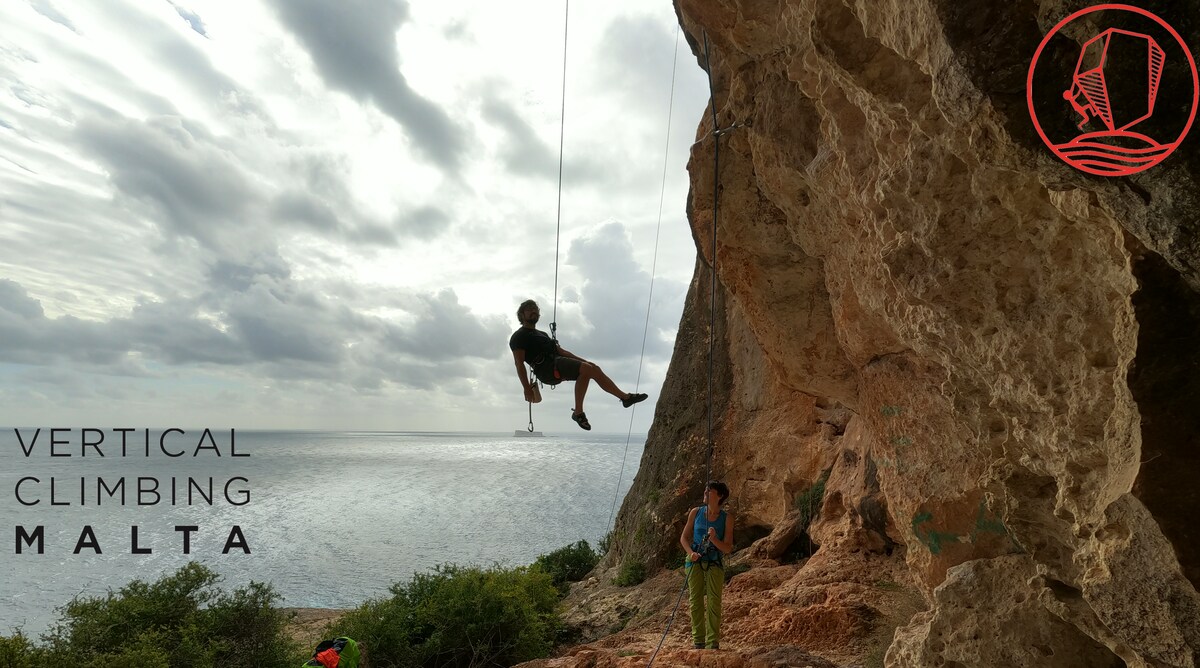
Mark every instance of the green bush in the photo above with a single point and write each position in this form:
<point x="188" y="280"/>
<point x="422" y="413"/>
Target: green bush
<point x="568" y="564"/>
<point x="16" y="651"/>
<point x="182" y="620"/>
<point x="809" y="501"/>
<point x="459" y="616"/>
<point x="605" y="543"/>
<point x="631" y="573"/>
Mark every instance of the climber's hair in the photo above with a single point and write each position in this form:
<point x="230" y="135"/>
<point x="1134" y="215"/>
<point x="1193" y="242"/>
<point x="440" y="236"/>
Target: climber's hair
<point x="525" y="306"/>
<point x="720" y="488"/>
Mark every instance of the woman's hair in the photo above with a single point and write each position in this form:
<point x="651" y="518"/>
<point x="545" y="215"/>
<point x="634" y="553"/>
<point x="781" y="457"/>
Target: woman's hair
<point x="720" y="488"/>
<point x="525" y="305"/>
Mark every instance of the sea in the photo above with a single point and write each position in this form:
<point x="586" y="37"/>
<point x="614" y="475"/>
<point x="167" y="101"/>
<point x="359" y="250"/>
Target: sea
<point x="328" y="519"/>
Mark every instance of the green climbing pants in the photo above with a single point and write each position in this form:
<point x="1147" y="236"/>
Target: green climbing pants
<point x="705" y="580"/>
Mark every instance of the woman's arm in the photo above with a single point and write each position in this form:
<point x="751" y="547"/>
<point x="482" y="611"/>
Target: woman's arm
<point x="685" y="538"/>
<point x="725" y="543"/>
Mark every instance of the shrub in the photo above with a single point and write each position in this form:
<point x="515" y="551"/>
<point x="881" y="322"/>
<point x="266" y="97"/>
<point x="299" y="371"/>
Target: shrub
<point x="631" y="573"/>
<point x="180" y="620"/>
<point x="16" y="651"/>
<point x="459" y="616"/>
<point x="809" y="501"/>
<point x="568" y="564"/>
<point x="605" y="543"/>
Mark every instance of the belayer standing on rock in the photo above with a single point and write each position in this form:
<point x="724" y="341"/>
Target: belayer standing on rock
<point x="553" y="364"/>
<point x="707" y="536"/>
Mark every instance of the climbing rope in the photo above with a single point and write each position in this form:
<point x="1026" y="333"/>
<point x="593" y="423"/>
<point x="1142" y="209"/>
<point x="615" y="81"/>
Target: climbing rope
<point x="712" y="290"/>
<point x="653" y="271"/>
<point x="712" y="313"/>
<point x="562" y="125"/>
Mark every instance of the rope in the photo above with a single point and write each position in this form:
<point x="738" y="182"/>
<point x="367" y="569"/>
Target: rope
<point x="532" y="381"/>
<point x="562" y="125"/>
<point x="712" y="294"/>
<point x="653" y="271"/>
<point x="669" y="622"/>
<point x="712" y="311"/>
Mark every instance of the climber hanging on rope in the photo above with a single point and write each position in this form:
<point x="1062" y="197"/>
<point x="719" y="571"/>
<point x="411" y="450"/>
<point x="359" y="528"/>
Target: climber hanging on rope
<point x="553" y="364"/>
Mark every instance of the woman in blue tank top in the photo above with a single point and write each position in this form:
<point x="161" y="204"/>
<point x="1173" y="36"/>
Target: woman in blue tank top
<point x="707" y="536"/>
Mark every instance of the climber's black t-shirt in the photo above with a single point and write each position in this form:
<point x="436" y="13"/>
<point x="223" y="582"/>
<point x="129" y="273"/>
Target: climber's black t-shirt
<point x="536" y="344"/>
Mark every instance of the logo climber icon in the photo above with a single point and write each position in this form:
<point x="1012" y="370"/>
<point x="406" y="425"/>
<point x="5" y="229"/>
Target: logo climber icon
<point x="1122" y="108"/>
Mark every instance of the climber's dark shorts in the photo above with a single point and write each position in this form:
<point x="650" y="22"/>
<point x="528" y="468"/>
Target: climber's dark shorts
<point x="565" y="368"/>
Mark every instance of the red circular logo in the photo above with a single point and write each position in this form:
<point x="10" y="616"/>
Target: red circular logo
<point x="1107" y="92"/>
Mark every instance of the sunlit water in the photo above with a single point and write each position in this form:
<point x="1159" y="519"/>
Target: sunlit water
<point x="333" y="519"/>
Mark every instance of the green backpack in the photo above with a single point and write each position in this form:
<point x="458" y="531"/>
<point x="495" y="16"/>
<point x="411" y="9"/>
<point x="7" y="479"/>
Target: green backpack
<point x="340" y="652"/>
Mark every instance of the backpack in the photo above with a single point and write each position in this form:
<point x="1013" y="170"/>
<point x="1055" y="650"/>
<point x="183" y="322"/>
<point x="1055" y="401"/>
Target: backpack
<point x="340" y="652"/>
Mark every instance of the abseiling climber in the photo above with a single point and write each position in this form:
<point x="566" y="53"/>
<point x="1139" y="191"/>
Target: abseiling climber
<point x="553" y="364"/>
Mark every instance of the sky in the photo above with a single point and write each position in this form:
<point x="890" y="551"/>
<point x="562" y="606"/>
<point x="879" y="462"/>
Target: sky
<point x="298" y="214"/>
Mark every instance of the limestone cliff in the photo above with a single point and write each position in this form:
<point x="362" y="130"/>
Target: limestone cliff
<point x="989" y="358"/>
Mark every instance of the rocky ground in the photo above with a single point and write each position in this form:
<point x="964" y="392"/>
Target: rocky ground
<point x="307" y="625"/>
<point x="801" y="614"/>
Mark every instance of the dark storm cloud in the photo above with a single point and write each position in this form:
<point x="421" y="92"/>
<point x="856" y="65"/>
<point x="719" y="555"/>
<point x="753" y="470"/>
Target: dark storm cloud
<point x="172" y="165"/>
<point x="192" y="18"/>
<point x="353" y="46"/>
<point x="48" y="10"/>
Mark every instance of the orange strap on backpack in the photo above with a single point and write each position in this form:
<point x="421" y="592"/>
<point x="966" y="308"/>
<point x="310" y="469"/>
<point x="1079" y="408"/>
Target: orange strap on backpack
<point x="329" y="658"/>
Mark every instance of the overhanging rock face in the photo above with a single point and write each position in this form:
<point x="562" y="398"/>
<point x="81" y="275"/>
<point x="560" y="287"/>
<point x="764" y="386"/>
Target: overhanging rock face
<point x="993" y="356"/>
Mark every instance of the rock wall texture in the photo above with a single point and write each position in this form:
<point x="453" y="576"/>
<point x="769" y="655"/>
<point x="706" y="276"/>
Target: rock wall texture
<point x="990" y="359"/>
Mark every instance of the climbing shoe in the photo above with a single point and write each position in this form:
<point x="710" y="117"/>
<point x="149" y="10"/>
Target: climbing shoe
<point x="581" y="420"/>
<point x="633" y="399"/>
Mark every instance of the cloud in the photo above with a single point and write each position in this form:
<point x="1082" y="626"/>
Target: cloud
<point x="523" y="152"/>
<point x="192" y="18"/>
<point x="256" y="319"/>
<point x="172" y="164"/>
<point x="613" y="298"/>
<point x="424" y="223"/>
<point x="640" y="57"/>
<point x="48" y="10"/>
<point x="445" y="329"/>
<point x="353" y="46"/>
